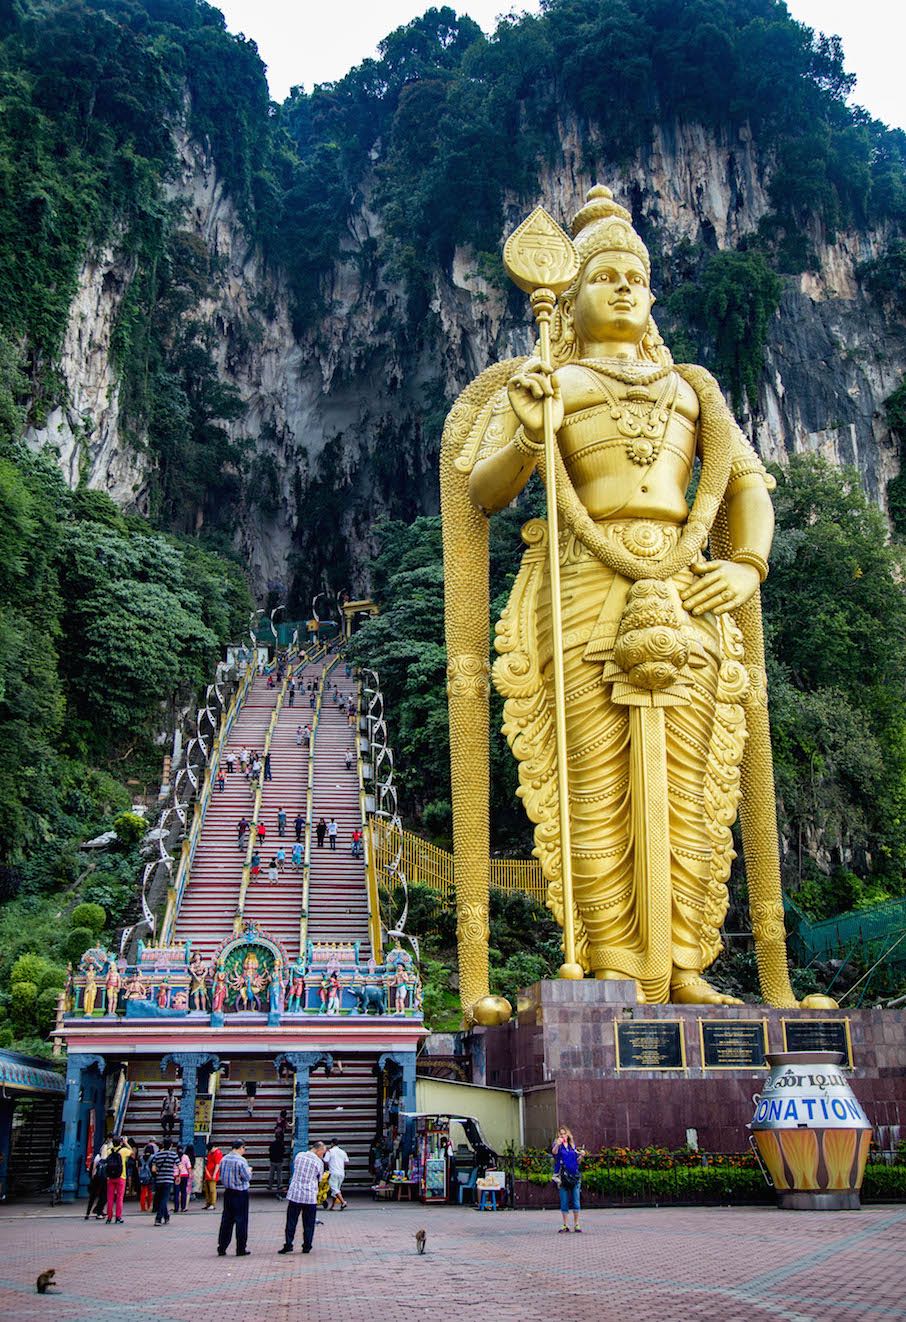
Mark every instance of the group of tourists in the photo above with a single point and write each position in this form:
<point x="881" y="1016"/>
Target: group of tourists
<point x="161" y="1171"/>
<point x="302" y="1194"/>
<point x="251" y="764"/>
<point x="165" y="1173"/>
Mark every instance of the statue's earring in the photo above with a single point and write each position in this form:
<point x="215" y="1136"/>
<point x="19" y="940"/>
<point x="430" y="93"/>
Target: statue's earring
<point x="567" y="336"/>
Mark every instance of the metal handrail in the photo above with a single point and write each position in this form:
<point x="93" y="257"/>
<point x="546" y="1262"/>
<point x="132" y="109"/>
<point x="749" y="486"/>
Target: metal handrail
<point x="309" y="805"/>
<point x="176" y="889"/>
<point x="375" y="928"/>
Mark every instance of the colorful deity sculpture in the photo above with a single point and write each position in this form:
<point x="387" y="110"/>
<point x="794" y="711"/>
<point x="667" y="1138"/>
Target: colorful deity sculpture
<point x="198" y="991"/>
<point x="401" y="984"/>
<point x="219" y="990"/>
<point x="90" y="990"/>
<point x="248" y="983"/>
<point x="324" y="992"/>
<point x="276" y="989"/>
<point x="334" y="995"/>
<point x="136" y="989"/>
<point x="631" y="651"/>
<point x="112" y="984"/>
<point x="296" y="976"/>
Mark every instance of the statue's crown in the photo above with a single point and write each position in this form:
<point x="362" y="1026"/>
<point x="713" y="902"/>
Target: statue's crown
<point x="603" y="224"/>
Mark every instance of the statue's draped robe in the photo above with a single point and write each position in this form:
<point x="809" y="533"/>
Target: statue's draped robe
<point x="653" y="775"/>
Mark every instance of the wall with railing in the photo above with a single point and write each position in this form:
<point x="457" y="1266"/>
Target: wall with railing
<point x="881" y="924"/>
<point x="426" y="864"/>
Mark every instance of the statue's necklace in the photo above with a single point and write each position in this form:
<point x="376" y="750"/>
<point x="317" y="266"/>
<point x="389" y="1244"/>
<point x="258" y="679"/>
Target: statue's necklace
<point x="642" y="422"/>
<point x="631" y="371"/>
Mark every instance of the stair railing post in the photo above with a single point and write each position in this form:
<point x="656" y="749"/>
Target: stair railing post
<point x="301" y="1063"/>
<point x="189" y="1063"/>
<point x="83" y="1094"/>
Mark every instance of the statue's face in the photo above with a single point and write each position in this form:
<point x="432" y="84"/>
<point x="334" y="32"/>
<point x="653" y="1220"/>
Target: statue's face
<point x="613" y="301"/>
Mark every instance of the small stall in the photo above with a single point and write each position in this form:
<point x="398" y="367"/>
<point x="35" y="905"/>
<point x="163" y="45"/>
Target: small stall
<point x="448" y="1157"/>
<point x="432" y="1148"/>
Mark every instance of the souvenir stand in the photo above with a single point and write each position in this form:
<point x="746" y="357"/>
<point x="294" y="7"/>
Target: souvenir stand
<point x="432" y="1145"/>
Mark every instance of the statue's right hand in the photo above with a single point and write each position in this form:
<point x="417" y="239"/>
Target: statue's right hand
<point x="527" y="390"/>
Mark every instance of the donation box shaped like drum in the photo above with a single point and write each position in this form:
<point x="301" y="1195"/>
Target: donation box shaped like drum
<point x="810" y="1132"/>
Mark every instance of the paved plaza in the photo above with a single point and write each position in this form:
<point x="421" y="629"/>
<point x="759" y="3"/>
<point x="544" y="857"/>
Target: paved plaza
<point x="635" y="1265"/>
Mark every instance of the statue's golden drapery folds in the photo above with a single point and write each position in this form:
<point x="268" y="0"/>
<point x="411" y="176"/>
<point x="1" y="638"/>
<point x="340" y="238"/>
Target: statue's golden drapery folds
<point x="662" y="673"/>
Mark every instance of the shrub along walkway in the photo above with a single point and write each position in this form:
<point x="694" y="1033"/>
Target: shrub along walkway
<point x="736" y="1264"/>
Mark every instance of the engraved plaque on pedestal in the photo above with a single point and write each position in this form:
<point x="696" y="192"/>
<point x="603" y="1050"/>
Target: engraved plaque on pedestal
<point x="819" y="1035"/>
<point x="733" y="1044"/>
<point x="650" y="1044"/>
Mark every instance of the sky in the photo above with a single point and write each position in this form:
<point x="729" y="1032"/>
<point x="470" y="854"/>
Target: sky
<point x="308" y="41"/>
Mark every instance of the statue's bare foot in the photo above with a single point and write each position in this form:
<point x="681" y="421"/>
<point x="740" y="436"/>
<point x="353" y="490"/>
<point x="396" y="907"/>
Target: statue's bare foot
<point x="690" y="989"/>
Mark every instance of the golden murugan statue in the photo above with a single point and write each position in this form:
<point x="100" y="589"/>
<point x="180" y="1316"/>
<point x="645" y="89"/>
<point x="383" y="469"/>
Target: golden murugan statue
<point x="659" y="706"/>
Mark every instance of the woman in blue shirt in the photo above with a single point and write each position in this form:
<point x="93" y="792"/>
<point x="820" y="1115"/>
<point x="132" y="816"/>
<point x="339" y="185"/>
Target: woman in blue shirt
<point x="568" y="1176"/>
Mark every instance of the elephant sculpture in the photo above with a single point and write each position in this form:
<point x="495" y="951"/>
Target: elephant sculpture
<point x="369" y="998"/>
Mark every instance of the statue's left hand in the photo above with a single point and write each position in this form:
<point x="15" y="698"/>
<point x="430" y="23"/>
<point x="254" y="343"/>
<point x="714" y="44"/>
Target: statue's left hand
<point x="720" y="586"/>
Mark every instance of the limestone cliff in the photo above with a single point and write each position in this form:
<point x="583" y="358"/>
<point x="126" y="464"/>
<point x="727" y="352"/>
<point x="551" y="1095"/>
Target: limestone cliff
<point x="344" y="422"/>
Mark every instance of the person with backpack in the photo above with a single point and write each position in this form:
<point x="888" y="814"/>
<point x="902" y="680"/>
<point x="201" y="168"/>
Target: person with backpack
<point x="568" y="1177"/>
<point x="163" y="1166"/>
<point x="115" y="1171"/>
<point x="145" y="1181"/>
<point x="321" y="832"/>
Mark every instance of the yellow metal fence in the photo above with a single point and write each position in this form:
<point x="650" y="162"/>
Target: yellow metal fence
<point x="428" y="865"/>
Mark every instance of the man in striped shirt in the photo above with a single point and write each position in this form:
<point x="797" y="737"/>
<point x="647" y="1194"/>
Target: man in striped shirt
<point x="235" y="1178"/>
<point x="302" y="1197"/>
<point x="163" y="1165"/>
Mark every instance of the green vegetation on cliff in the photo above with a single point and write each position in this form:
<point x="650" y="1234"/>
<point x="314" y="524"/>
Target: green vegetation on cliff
<point x="104" y="623"/>
<point x="453" y="115"/>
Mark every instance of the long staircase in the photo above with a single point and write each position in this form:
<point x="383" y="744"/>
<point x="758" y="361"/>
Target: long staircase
<point x="342" y="1105"/>
<point x="209" y="905"/>
<point x="142" y="1119"/>
<point x="234" y="1121"/>
<point x="338" y="895"/>
<point x="277" y="907"/>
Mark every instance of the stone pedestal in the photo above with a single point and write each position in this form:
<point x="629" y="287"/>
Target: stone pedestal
<point x="561" y="1049"/>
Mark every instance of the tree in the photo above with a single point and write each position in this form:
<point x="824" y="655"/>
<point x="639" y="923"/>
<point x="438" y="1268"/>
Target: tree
<point x="835" y="613"/>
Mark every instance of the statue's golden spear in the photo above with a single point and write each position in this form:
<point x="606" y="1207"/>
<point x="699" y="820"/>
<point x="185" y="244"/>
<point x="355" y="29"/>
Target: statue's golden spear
<point x="541" y="259"/>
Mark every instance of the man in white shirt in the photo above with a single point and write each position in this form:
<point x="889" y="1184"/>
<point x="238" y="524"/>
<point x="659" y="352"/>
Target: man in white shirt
<point x="337" y="1161"/>
<point x="302" y="1197"/>
<point x="332" y="829"/>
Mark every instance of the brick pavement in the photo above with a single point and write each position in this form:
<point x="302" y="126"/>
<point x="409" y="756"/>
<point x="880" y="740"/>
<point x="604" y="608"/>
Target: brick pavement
<point x="739" y="1265"/>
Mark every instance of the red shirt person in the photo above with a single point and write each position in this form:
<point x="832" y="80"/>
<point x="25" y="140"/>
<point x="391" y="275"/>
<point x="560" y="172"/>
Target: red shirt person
<point x="211" y="1174"/>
